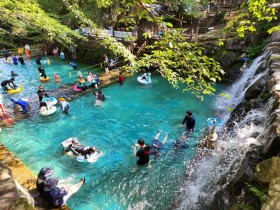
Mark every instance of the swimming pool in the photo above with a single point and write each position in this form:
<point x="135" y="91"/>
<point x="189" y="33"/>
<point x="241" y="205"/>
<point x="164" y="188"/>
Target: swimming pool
<point x="131" y="111"/>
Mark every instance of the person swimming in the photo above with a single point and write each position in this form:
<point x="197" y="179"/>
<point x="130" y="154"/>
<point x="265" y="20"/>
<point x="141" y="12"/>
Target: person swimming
<point x="157" y="145"/>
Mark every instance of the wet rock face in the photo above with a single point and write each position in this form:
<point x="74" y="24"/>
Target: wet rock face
<point x="235" y="44"/>
<point x="275" y="37"/>
<point x="256" y="89"/>
<point x="228" y="58"/>
<point x="268" y="170"/>
<point x="273" y="199"/>
<point x="13" y="195"/>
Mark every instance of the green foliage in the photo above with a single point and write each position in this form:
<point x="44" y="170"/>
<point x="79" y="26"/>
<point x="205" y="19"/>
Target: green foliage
<point x="181" y="61"/>
<point x="110" y="42"/>
<point x="251" y="13"/>
<point x="254" y="50"/>
<point x="23" y="16"/>
<point x="259" y="193"/>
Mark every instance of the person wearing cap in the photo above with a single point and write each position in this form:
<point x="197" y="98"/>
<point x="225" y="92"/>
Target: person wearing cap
<point x="143" y="153"/>
<point x="189" y="120"/>
<point x="57" y="194"/>
<point x="9" y="82"/>
<point x="42" y="93"/>
<point x="2" y="106"/>
<point x="158" y="145"/>
<point x="42" y="177"/>
<point x="65" y="105"/>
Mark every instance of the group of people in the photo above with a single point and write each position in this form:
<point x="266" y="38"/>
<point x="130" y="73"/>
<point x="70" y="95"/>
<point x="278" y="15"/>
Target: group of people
<point x="91" y="80"/>
<point x="145" y="150"/>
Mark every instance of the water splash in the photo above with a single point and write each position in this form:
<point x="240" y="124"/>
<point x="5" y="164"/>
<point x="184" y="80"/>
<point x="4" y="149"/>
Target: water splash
<point x="213" y="170"/>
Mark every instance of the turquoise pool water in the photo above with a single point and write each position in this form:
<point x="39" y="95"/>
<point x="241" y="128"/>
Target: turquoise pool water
<point x="131" y="111"/>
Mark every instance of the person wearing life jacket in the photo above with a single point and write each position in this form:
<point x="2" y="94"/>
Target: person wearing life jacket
<point x="157" y="145"/>
<point x="143" y="153"/>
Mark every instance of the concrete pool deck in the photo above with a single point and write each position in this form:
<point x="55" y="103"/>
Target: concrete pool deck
<point x="20" y="172"/>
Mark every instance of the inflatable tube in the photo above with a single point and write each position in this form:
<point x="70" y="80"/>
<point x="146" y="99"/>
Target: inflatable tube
<point x="76" y="88"/>
<point x="215" y="121"/>
<point x="13" y="91"/>
<point x="65" y="144"/>
<point x="93" y="158"/>
<point x="48" y="112"/>
<point x="50" y="101"/>
<point x="144" y="81"/>
<point x="42" y="79"/>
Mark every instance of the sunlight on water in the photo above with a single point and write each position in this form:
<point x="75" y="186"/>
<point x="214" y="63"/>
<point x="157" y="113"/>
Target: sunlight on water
<point x="131" y="111"/>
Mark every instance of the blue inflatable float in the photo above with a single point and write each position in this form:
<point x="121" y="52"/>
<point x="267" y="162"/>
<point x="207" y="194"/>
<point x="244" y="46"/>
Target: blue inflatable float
<point x="215" y="121"/>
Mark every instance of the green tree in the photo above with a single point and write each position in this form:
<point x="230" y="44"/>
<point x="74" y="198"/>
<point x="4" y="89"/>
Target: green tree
<point x="20" y="17"/>
<point x="181" y="61"/>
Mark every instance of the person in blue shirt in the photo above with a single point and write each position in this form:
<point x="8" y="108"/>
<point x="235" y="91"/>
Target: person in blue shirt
<point x="75" y="67"/>
<point x="62" y="56"/>
<point x="189" y="120"/>
<point x="15" y="59"/>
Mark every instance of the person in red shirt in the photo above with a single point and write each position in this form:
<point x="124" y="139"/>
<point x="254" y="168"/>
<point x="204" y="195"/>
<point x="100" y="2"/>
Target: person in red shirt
<point x="121" y="79"/>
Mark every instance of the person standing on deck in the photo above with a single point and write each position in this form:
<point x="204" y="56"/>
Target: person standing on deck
<point x="106" y="64"/>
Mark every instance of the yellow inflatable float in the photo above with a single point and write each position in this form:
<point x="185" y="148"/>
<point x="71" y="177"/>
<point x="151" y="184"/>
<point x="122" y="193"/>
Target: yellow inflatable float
<point x="12" y="91"/>
<point x="42" y="79"/>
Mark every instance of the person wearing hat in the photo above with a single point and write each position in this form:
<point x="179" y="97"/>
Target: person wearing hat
<point x="81" y="83"/>
<point x="42" y="177"/>
<point x="9" y="82"/>
<point x="57" y="194"/>
<point x="65" y="105"/>
<point x="143" y="153"/>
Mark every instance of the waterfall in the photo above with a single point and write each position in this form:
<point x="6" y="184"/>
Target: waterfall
<point x="213" y="170"/>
